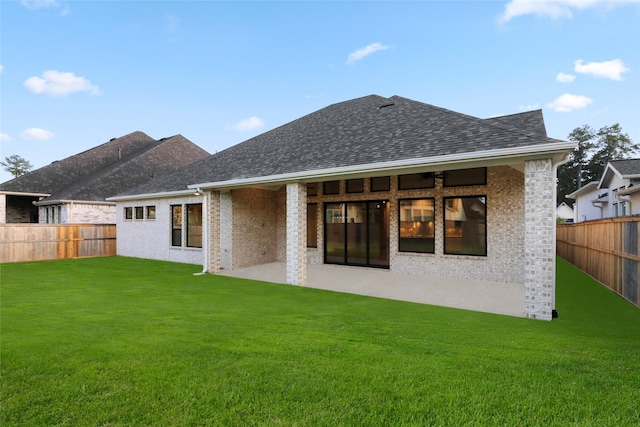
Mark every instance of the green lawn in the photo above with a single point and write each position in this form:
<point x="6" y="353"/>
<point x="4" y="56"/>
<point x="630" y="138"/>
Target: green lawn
<point x="120" y="342"/>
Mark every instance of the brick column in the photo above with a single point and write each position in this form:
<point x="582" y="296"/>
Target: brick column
<point x="539" y="239"/>
<point x="213" y="232"/>
<point x="226" y="231"/>
<point x="3" y="209"/>
<point x="296" y="234"/>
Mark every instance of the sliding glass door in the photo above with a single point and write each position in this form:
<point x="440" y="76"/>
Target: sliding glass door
<point x="357" y="233"/>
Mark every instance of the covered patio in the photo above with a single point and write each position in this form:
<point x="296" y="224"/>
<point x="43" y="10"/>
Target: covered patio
<point x="479" y="295"/>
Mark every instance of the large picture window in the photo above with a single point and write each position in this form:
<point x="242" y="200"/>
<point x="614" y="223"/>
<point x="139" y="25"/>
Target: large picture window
<point x="176" y="225"/>
<point x="194" y="225"/>
<point x="417" y="226"/>
<point x="465" y="225"/>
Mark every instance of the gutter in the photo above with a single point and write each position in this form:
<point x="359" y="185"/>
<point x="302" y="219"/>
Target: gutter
<point x="188" y="192"/>
<point x="63" y="201"/>
<point x="480" y="158"/>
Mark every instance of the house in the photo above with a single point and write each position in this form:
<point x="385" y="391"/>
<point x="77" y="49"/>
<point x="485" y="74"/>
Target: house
<point x="620" y="177"/>
<point x="74" y="190"/>
<point x="564" y="212"/>
<point x="376" y="182"/>
<point x="616" y="194"/>
<point x="588" y="202"/>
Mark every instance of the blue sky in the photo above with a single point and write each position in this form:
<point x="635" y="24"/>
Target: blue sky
<point x="74" y="74"/>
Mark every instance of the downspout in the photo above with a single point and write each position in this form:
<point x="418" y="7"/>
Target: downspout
<point x="205" y="228"/>
<point x="599" y="206"/>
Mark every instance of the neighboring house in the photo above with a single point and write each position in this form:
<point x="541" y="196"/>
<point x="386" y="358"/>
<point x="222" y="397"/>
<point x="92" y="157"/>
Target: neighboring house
<point x="74" y="190"/>
<point x="372" y="182"/>
<point x="564" y="212"/>
<point x="589" y="200"/>
<point x="620" y="177"/>
<point x="616" y="194"/>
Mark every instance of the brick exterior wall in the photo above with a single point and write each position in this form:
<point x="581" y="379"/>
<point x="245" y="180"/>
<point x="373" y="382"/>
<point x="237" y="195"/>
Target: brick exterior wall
<point x="505" y="228"/>
<point x="254" y="227"/>
<point x="151" y="238"/>
<point x="214" y="249"/>
<point x="296" y="234"/>
<point x="226" y="231"/>
<point x="539" y="239"/>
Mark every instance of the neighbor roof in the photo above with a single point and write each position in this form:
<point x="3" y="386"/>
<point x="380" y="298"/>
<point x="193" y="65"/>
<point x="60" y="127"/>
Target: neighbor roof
<point x="108" y="169"/>
<point x="372" y="130"/>
<point x="626" y="169"/>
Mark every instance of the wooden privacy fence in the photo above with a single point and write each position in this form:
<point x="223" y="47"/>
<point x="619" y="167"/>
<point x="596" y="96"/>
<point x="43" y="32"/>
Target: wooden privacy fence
<point x="35" y="242"/>
<point x="607" y="250"/>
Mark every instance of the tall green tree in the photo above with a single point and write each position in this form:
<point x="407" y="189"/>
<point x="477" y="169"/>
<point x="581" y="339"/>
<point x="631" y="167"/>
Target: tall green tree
<point x="612" y="144"/>
<point x="575" y="173"/>
<point x="16" y="165"/>
<point x="587" y="162"/>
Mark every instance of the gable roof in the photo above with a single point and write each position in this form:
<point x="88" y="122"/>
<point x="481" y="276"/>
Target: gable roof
<point x="359" y="135"/>
<point x="107" y="169"/>
<point x="530" y="122"/>
<point x="585" y="189"/>
<point x="625" y="169"/>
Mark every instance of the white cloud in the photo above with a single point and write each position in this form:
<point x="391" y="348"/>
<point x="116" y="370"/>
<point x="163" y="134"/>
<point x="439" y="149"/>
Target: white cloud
<point x="565" y="78"/>
<point x="36" y="134"/>
<point x="608" y="69"/>
<point x="4" y="137"/>
<point x="567" y="103"/>
<point x="1" y="68"/>
<point x="250" y="123"/>
<point x="58" y="83"/>
<point x="554" y="9"/>
<point x="47" y="4"/>
<point x="365" y="51"/>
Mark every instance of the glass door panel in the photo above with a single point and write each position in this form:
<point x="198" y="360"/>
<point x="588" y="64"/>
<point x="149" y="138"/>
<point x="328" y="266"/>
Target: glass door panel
<point x="379" y="234"/>
<point x="335" y="233"/>
<point x="357" y="233"/>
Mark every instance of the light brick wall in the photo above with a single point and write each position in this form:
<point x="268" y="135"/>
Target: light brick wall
<point x="151" y="238"/>
<point x="539" y="239"/>
<point x="296" y="234"/>
<point x="214" y="240"/>
<point x="87" y="213"/>
<point x="3" y="208"/>
<point x="254" y="227"/>
<point x="505" y="229"/>
<point x="226" y="231"/>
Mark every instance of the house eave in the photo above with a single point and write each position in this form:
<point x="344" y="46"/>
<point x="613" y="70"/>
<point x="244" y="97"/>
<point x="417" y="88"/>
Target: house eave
<point x="20" y="193"/>
<point x="69" y="202"/>
<point x="160" y="195"/>
<point x="556" y="151"/>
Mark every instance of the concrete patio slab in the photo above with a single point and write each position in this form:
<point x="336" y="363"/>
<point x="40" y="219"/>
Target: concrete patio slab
<point x="477" y="295"/>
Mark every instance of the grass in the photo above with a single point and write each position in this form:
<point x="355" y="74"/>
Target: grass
<point x="121" y="342"/>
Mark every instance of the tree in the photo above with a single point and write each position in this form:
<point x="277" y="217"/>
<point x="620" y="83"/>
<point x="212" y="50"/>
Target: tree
<point x="16" y="165"/>
<point x="575" y="172"/>
<point x="612" y="144"/>
<point x="588" y="160"/>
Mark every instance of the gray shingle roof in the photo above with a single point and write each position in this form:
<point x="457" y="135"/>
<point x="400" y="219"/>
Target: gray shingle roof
<point x="108" y="169"/>
<point x="627" y="167"/>
<point x="361" y="131"/>
<point x="530" y="122"/>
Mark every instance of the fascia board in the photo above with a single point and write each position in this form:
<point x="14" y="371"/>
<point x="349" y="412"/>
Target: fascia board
<point x="19" y="193"/>
<point x="160" y="195"/>
<point x="72" y="202"/>
<point x="481" y="158"/>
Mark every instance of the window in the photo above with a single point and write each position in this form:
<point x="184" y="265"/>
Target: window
<point x="465" y="225"/>
<point x="176" y="225"/>
<point x="194" y="225"/>
<point x="355" y="185"/>
<point x="312" y="189"/>
<point x="60" y="214"/>
<point x="380" y="183"/>
<point x="312" y="225"/>
<point x="332" y="187"/>
<point x="151" y="212"/>
<point x="46" y="214"/>
<point x="417" y="228"/>
<point x="459" y="177"/>
<point x="415" y="181"/>
<point x="128" y="213"/>
<point x="139" y="211"/>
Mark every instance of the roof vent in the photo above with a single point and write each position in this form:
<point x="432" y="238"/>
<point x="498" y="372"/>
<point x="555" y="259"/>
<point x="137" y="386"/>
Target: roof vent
<point x="386" y="105"/>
